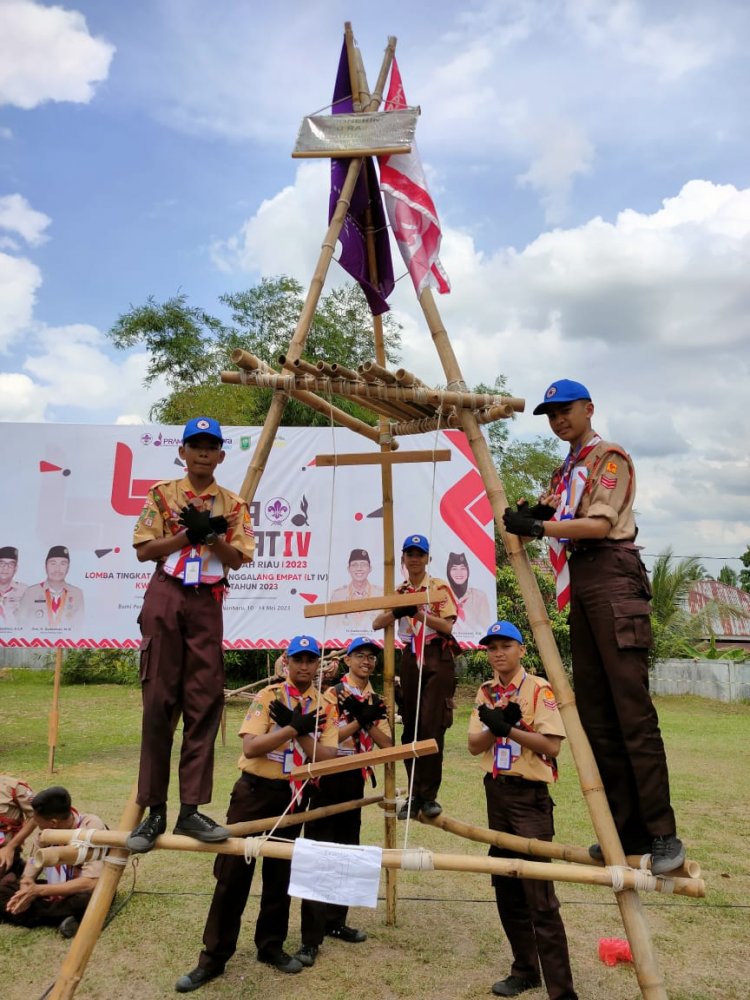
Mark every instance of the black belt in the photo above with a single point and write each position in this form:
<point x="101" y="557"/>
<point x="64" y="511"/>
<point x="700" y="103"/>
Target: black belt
<point x="254" y="779"/>
<point x="586" y="544"/>
<point x="163" y="575"/>
<point x="515" y="779"/>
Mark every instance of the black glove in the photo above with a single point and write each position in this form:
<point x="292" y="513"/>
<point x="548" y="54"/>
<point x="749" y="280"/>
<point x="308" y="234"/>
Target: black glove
<point x="280" y="713"/>
<point x="540" y="511"/>
<point x="197" y="522"/>
<point x="353" y="707"/>
<point x="305" y="724"/>
<point x="494" y="719"/>
<point x="219" y="524"/>
<point x="371" y="712"/>
<point x="407" y="612"/>
<point x="518" y="523"/>
<point x="512" y="713"/>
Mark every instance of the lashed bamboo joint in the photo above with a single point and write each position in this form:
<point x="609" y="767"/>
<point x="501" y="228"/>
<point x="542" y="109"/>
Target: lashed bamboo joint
<point x="352" y="762"/>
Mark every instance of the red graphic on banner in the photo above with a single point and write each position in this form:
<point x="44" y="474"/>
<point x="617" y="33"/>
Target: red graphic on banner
<point x="128" y="494"/>
<point x="310" y="598"/>
<point x="466" y="509"/>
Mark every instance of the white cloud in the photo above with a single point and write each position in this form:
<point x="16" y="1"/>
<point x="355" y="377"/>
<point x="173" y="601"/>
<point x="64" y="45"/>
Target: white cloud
<point x="48" y="54"/>
<point x="19" y="281"/>
<point x="17" y="216"/>
<point x="19" y="399"/>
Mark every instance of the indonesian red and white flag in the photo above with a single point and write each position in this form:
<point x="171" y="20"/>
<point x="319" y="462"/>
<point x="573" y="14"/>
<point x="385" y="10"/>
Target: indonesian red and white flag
<point x="411" y="210"/>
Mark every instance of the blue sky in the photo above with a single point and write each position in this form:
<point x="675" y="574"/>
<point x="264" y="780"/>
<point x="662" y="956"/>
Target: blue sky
<point x="589" y="159"/>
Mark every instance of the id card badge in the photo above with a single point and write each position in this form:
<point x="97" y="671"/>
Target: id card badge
<point x="288" y="762"/>
<point x="503" y="757"/>
<point x="191" y="575"/>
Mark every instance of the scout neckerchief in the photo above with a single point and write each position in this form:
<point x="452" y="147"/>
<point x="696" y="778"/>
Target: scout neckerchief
<point x="569" y="488"/>
<point x="500" y="695"/>
<point x="55" y="604"/>
<point x="59" y="874"/>
<point x="298" y="754"/>
<point x="362" y="740"/>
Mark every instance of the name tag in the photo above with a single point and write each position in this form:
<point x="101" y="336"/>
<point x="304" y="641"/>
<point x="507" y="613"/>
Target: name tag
<point x="503" y="758"/>
<point x="191" y="575"/>
<point x="288" y="762"/>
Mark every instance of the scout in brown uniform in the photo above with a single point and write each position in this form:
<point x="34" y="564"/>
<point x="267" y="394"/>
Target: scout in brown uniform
<point x="16" y="822"/>
<point x="55" y="603"/>
<point x="362" y="726"/>
<point x="60" y="900"/>
<point x="517" y="729"/>
<point x="588" y="516"/>
<point x="11" y="590"/>
<point x="281" y="729"/>
<point x="426" y="633"/>
<point x="195" y="531"/>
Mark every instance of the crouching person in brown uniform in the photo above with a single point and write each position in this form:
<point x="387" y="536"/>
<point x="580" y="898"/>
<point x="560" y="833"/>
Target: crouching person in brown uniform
<point x="280" y="731"/>
<point x="60" y="899"/>
<point x="517" y="729"/>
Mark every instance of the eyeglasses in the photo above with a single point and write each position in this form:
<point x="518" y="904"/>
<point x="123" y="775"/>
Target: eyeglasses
<point x="365" y="656"/>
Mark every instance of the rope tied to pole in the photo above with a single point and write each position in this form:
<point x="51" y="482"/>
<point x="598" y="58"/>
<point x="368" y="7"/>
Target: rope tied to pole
<point x="417" y="859"/>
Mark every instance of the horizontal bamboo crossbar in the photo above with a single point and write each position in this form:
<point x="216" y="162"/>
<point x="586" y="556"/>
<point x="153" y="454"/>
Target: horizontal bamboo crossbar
<point x="419" y="860"/>
<point x="344" y="154"/>
<point x="541" y="848"/>
<point x="384" y="458"/>
<point x="387" y="602"/>
<point x="351" y="762"/>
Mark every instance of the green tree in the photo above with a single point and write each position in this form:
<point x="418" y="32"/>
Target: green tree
<point x="745" y="573"/>
<point x="189" y="348"/>
<point x="728" y="576"/>
<point x="677" y="631"/>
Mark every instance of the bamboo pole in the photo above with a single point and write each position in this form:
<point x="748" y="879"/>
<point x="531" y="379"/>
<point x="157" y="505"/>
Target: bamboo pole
<point x="646" y="964"/>
<point x="319" y="405"/>
<point x="543" y="848"/>
<point x="354" y="761"/>
<point x="366" y="604"/>
<point x="54" y="714"/>
<point x="384" y="458"/>
<point x="487" y="415"/>
<point x="418" y="859"/>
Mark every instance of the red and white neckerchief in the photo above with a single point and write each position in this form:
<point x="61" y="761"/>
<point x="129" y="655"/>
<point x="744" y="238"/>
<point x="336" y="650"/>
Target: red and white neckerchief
<point x="362" y="740"/>
<point x="569" y="488"/>
<point x="59" y="874"/>
<point x="298" y="754"/>
<point x="55" y="604"/>
<point x="499" y="697"/>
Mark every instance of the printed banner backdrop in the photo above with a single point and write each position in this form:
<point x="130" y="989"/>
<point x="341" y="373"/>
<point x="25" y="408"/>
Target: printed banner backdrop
<point x="81" y="488"/>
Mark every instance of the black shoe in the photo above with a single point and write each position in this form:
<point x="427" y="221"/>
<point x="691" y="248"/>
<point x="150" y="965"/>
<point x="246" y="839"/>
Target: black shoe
<point x="306" y="954"/>
<point x="513" y="986"/>
<point x="280" y="960"/>
<point x="202" y="828"/>
<point x="68" y="928"/>
<point x="667" y="853"/>
<point x="196" y="978"/>
<point x="143" y="838"/>
<point x="349" y="934"/>
<point x="411" y="805"/>
<point x="431" y="809"/>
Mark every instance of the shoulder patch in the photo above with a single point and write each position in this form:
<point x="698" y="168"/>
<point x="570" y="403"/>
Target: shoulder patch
<point x="548" y="697"/>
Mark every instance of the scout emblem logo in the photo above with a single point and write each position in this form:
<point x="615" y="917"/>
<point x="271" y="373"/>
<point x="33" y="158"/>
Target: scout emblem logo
<point x="202" y="425"/>
<point x="552" y="391"/>
<point x="304" y="642"/>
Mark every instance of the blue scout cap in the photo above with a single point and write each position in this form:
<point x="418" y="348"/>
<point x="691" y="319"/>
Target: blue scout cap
<point x="562" y="391"/>
<point x="303" y="644"/>
<point x="502" y="630"/>
<point x="361" y="641"/>
<point x="416" y="542"/>
<point x="202" y="425"/>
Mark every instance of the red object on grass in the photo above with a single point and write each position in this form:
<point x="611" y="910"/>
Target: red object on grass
<point x="614" y="950"/>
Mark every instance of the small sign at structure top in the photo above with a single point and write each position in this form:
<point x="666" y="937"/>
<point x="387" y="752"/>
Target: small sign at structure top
<point x="372" y="133"/>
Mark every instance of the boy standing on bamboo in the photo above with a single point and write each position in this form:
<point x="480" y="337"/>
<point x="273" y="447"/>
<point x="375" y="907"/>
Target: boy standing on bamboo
<point x="517" y="729"/>
<point x="587" y="515"/>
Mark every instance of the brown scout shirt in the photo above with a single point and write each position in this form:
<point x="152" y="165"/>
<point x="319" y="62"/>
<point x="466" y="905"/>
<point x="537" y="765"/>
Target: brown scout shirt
<point x="160" y="517"/>
<point x="443" y="607"/>
<point x="539" y="712"/>
<point x="258" y="722"/>
<point x="610" y="490"/>
<point x="330" y="697"/>
<point x="15" y="806"/>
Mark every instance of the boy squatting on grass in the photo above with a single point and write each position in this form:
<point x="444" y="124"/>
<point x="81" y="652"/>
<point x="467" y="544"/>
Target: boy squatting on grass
<point x="587" y="514"/>
<point x="517" y="729"/>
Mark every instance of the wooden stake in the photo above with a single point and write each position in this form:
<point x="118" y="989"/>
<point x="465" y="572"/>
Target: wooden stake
<point x="351" y="762"/>
<point x="54" y="714"/>
<point x="366" y="604"/>
<point x="384" y="458"/>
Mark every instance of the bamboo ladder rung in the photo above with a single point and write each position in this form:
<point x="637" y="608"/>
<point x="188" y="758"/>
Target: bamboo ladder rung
<point x="422" y="748"/>
<point x="385" y="603"/>
<point x="384" y="458"/>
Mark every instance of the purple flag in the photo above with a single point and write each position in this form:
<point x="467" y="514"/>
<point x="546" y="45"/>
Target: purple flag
<point x="366" y="191"/>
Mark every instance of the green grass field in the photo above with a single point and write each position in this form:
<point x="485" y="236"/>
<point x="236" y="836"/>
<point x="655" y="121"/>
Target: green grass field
<point x="447" y="942"/>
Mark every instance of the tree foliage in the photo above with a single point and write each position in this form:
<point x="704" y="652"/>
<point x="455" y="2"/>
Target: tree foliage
<point x="745" y="573"/>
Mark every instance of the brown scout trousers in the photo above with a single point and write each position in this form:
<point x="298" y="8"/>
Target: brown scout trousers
<point x="182" y="669"/>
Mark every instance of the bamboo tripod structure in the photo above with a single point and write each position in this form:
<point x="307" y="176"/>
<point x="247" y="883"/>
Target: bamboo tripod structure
<point x="403" y="405"/>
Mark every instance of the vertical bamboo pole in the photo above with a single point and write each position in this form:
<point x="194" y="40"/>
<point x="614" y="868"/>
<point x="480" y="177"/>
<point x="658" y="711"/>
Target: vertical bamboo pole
<point x="276" y="409"/>
<point x="356" y="71"/>
<point x="54" y="714"/>
<point x="633" y="917"/>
